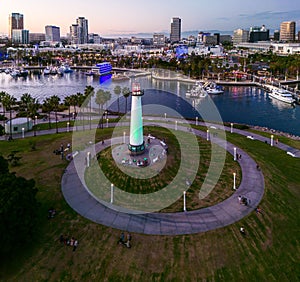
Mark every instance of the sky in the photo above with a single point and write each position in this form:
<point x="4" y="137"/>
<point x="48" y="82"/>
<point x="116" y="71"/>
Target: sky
<point x="148" y="16"/>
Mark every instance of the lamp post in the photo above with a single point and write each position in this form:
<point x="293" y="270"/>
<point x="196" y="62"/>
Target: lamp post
<point x="231" y="127"/>
<point x="196" y="120"/>
<point x="165" y="116"/>
<point x="23" y="134"/>
<point x="124" y="136"/>
<point x="107" y="122"/>
<point x="184" y="201"/>
<point x="272" y="137"/>
<point x="207" y="135"/>
<point x="68" y="127"/>
<point x="234" y="153"/>
<point x="176" y="125"/>
<point x="35" y="123"/>
<point x="111" y="193"/>
<point x="234" y="176"/>
<point x="88" y="157"/>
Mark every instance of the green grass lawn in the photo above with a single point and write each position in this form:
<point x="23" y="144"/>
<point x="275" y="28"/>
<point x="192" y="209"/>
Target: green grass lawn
<point x="269" y="252"/>
<point x="222" y="190"/>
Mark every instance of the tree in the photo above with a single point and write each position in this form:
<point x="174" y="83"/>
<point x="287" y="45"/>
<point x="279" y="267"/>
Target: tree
<point x="126" y="93"/>
<point x="26" y="99"/>
<point x="81" y="103"/>
<point x="2" y="95"/>
<point x="89" y="93"/>
<point x="100" y="100"/>
<point x="68" y="103"/>
<point x="33" y="108"/>
<point x="8" y="102"/>
<point x="48" y="107"/>
<point x="54" y="101"/>
<point x="18" y="210"/>
<point x="117" y="91"/>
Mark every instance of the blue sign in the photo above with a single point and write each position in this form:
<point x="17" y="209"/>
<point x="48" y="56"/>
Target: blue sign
<point x="181" y="51"/>
<point x="105" y="78"/>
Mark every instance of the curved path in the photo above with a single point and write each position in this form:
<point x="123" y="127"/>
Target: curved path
<point x="217" y="216"/>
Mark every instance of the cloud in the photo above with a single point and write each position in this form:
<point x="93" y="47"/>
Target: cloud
<point x="288" y="15"/>
<point x="224" y="19"/>
<point x="271" y="19"/>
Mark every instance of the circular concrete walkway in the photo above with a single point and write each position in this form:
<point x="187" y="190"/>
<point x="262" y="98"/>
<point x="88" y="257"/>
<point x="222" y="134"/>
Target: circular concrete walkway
<point x="217" y="216"/>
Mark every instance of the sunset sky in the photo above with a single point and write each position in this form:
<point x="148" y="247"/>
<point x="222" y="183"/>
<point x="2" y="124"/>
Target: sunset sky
<point x="133" y="16"/>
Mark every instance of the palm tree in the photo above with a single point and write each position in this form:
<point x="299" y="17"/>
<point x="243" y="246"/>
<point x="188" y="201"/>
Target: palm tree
<point x="26" y="99"/>
<point x="107" y="96"/>
<point x="47" y="107"/>
<point x="33" y="108"/>
<point x="2" y="95"/>
<point x="54" y="101"/>
<point x="126" y="93"/>
<point x="8" y="102"/>
<point x="100" y="100"/>
<point x="89" y="93"/>
<point x="117" y="91"/>
<point x="68" y="103"/>
<point x="81" y="103"/>
<point x="74" y="102"/>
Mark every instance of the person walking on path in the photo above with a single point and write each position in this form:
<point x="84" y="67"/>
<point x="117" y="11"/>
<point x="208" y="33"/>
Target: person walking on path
<point x="122" y="239"/>
<point x="128" y="245"/>
<point x="240" y="199"/>
<point x="75" y="245"/>
<point x="242" y="231"/>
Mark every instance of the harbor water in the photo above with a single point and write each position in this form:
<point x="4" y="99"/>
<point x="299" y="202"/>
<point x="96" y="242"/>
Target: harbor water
<point x="238" y="104"/>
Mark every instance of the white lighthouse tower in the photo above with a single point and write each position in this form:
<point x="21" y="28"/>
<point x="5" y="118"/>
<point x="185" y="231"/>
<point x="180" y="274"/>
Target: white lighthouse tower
<point x="136" y="141"/>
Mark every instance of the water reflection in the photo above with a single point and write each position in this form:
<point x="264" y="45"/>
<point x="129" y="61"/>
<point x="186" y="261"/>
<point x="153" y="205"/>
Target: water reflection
<point x="248" y="105"/>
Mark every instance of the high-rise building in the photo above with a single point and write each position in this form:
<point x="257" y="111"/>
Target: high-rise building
<point x="20" y="36"/>
<point x="159" y="39"/>
<point x="74" y="34"/>
<point x="95" y="38"/>
<point x="276" y="35"/>
<point x="175" y="34"/>
<point x="83" y="34"/>
<point x="52" y="33"/>
<point x="288" y="31"/>
<point x="16" y="21"/>
<point x="79" y="33"/>
<point x="36" y="37"/>
<point x="225" y="39"/>
<point x="240" y="35"/>
<point x="259" y="34"/>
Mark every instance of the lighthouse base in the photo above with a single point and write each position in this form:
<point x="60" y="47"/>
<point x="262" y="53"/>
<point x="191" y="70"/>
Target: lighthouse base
<point x="136" y="149"/>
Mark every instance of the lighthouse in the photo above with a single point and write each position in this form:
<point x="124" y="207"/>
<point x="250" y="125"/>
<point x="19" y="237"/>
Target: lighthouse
<point x="136" y="140"/>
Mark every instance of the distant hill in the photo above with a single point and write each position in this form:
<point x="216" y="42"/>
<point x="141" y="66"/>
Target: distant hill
<point x="184" y="34"/>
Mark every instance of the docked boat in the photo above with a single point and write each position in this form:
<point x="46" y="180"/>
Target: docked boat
<point x="214" y="89"/>
<point x="89" y="73"/>
<point x="66" y="68"/>
<point x="197" y="91"/>
<point x="282" y="95"/>
<point x="24" y="72"/>
<point x="53" y="70"/>
<point x="15" y="73"/>
<point x="119" y="76"/>
<point x="46" y="71"/>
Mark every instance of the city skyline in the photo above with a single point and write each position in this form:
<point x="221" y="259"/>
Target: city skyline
<point x="144" y="17"/>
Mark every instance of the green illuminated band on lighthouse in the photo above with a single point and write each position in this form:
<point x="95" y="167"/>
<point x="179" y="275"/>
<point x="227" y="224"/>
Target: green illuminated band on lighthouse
<point x="136" y="140"/>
